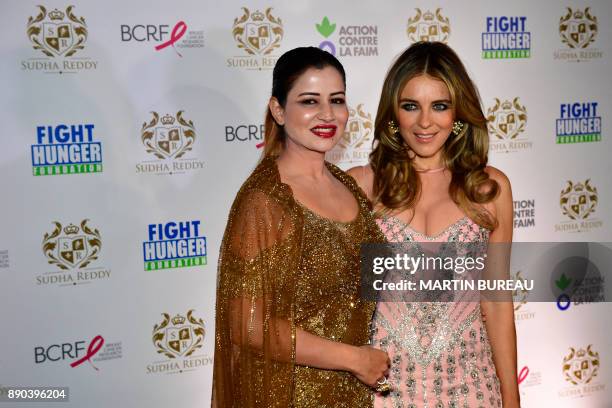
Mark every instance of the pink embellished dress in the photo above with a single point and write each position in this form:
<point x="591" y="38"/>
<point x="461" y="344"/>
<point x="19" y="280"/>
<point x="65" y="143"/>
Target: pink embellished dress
<point x="440" y="352"/>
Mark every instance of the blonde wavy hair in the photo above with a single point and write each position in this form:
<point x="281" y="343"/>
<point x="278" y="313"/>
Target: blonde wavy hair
<point x="396" y="183"/>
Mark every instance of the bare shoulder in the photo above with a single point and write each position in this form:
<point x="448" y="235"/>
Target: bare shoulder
<point x="500" y="177"/>
<point x="364" y="176"/>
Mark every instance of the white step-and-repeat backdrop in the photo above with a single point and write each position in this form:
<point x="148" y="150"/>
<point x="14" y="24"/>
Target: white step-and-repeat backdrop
<point x="129" y="126"/>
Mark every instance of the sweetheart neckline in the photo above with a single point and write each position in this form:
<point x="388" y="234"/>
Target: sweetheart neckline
<point x="460" y="221"/>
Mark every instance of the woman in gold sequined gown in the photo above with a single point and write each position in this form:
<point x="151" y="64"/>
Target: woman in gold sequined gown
<point x="291" y="328"/>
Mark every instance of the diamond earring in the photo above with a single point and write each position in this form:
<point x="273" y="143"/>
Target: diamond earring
<point x="458" y="127"/>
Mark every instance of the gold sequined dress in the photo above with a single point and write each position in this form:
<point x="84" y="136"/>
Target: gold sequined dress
<point x="284" y="267"/>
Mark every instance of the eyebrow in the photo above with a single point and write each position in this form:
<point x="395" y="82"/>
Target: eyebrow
<point x="436" y="101"/>
<point x="318" y="94"/>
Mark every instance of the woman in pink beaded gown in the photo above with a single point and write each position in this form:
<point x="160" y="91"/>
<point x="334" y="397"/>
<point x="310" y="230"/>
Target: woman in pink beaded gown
<point x="429" y="182"/>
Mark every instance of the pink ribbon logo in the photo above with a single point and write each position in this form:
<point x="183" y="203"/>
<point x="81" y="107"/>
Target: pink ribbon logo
<point x="178" y="31"/>
<point x="94" y="346"/>
<point x="523" y="374"/>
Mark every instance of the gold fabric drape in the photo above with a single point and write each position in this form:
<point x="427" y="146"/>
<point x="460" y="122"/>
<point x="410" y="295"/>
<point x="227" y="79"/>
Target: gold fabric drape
<point x="259" y="270"/>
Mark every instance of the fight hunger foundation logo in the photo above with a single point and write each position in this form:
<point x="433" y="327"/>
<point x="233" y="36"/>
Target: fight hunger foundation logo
<point x="578" y="202"/>
<point x="506" y="122"/>
<point x="580" y="368"/>
<point x="356" y="142"/>
<point x="178" y="339"/>
<point x="66" y="149"/>
<point x="174" y="245"/>
<point x="506" y="38"/>
<point x="428" y="26"/>
<point x="258" y="35"/>
<point x="578" y="123"/>
<point x="59" y="36"/>
<point x="578" y="32"/>
<point x="168" y="140"/>
<point x="73" y="250"/>
<point x="351" y="40"/>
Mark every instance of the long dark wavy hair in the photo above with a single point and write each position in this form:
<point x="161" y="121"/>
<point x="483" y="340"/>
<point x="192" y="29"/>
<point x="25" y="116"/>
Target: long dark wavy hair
<point x="396" y="182"/>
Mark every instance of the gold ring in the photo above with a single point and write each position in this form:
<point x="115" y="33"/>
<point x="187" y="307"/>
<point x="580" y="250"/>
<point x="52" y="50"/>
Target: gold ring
<point x="383" y="385"/>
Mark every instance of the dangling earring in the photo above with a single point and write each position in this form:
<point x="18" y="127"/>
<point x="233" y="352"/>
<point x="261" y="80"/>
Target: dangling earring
<point x="393" y="128"/>
<point x="458" y="127"/>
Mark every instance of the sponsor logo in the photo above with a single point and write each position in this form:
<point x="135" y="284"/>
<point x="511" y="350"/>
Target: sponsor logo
<point x="179" y="37"/>
<point x="59" y="37"/>
<point x="578" y="31"/>
<point x="168" y="140"/>
<point x="506" y="37"/>
<point x="177" y="339"/>
<point x="578" y="123"/>
<point x="245" y="133"/>
<point x="71" y="249"/>
<point x="258" y="35"/>
<point x="578" y="202"/>
<point x="174" y="245"/>
<point x="76" y="353"/>
<point x="506" y="122"/>
<point x="580" y="368"/>
<point x="356" y="142"/>
<point x="524" y="213"/>
<point x="66" y="149"/>
<point x="4" y="258"/>
<point x="352" y="40"/>
<point x="519" y="295"/>
<point x="428" y="26"/>
<point x="528" y="378"/>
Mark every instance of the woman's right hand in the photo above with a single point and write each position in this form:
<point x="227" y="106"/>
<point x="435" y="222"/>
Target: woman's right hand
<point x="370" y="365"/>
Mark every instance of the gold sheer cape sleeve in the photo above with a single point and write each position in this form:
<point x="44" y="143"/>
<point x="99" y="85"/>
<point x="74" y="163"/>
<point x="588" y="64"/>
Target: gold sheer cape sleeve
<point x="255" y="327"/>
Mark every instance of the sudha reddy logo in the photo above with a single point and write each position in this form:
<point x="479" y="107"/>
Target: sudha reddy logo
<point x="168" y="139"/>
<point x="428" y="26"/>
<point x="578" y="123"/>
<point x="174" y="245"/>
<point x="257" y="34"/>
<point x="71" y="249"/>
<point x="59" y="36"/>
<point x="506" y="37"/>
<point x="76" y="353"/>
<point x="580" y="368"/>
<point x="578" y="202"/>
<point x="178" y="338"/>
<point x="353" y="40"/>
<point x="356" y="142"/>
<point x="521" y="309"/>
<point x="506" y="122"/>
<point x="66" y="149"/>
<point x="578" y="31"/>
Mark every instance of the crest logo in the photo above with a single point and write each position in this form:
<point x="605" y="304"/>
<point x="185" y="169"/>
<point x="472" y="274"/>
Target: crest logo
<point x="578" y="29"/>
<point x="258" y="33"/>
<point x="170" y="137"/>
<point x="57" y="33"/>
<point x="519" y="295"/>
<point x="72" y="247"/>
<point x="580" y="367"/>
<point x="507" y="120"/>
<point x="356" y="142"/>
<point x="178" y="336"/>
<point x="579" y="200"/>
<point x="428" y="26"/>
